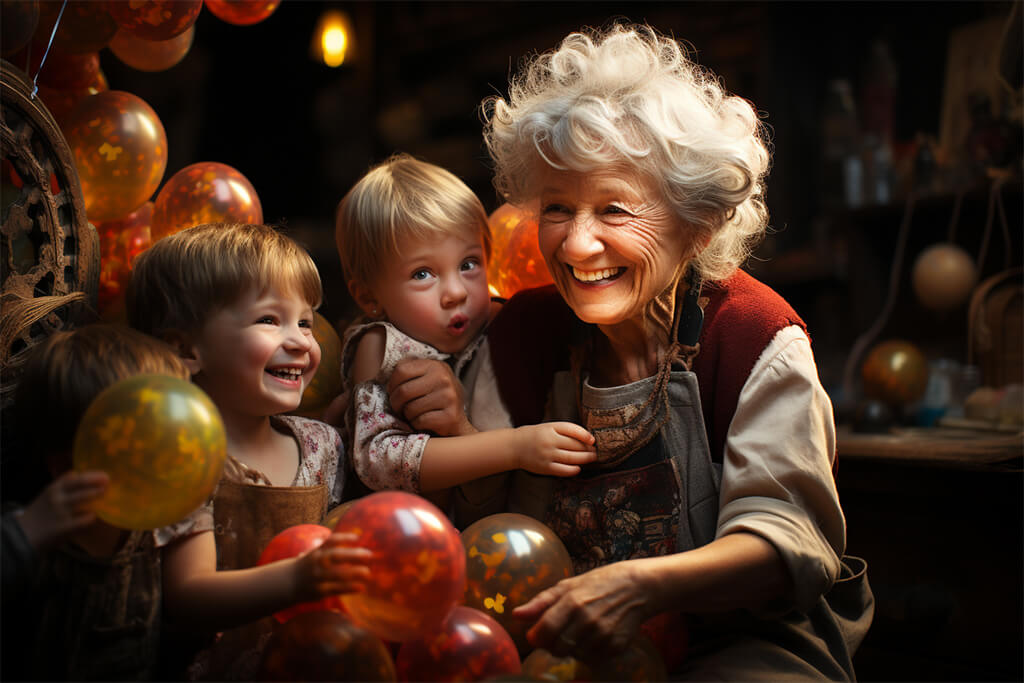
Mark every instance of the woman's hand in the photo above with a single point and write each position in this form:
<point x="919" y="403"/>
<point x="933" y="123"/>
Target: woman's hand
<point x="429" y="396"/>
<point x="333" y="568"/>
<point x="63" y="507"/>
<point x="592" y="615"/>
<point x="555" y="448"/>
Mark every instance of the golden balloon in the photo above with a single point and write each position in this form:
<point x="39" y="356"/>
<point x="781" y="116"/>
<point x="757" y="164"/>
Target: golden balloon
<point x="162" y="442"/>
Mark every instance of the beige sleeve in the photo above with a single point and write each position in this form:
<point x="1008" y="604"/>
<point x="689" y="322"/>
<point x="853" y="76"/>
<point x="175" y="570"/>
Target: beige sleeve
<point x="777" y="476"/>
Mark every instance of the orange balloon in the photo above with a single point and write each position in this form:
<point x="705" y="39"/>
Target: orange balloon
<point x="162" y="442"/>
<point x="510" y="558"/>
<point x="205" y="192"/>
<point x="242" y="12"/>
<point x="120" y="152"/>
<point x="120" y="242"/>
<point x="155" y="19"/>
<point x="152" y="55"/>
<point x="516" y="262"/>
<point x="326" y="383"/>
<point x="895" y="372"/>
<point x="61" y="102"/>
<point x="85" y="26"/>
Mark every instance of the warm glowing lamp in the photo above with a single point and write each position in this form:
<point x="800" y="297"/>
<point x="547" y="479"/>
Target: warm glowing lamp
<point x="332" y="40"/>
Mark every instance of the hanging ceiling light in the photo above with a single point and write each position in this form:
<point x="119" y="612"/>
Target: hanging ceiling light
<point x="332" y="40"/>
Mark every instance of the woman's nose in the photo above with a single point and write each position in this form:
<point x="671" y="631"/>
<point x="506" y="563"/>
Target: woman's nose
<point x="582" y="240"/>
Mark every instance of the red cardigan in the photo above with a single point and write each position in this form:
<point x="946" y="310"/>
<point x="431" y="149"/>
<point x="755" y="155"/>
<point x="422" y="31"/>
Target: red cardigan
<point x="530" y="337"/>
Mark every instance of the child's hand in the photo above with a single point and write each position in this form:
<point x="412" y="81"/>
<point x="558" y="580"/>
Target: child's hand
<point x="332" y="569"/>
<point x="555" y="448"/>
<point x="63" y="507"/>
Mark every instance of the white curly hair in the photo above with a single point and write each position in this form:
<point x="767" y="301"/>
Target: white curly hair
<point x="629" y="95"/>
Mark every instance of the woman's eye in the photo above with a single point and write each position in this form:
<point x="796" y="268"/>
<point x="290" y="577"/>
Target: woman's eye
<point x="612" y="209"/>
<point x="554" y="209"/>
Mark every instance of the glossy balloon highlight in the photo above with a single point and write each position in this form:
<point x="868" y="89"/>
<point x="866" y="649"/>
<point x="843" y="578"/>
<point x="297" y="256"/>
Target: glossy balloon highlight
<point x="120" y="153"/>
<point x="510" y="558"/>
<point x="418" y="568"/>
<point x="162" y="442"/>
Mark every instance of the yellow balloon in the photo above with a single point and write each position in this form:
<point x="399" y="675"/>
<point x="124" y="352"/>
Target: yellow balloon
<point x="162" y="442"/>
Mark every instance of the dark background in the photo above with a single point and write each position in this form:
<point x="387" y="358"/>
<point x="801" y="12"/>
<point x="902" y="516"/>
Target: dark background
<point x="302" y="133"/>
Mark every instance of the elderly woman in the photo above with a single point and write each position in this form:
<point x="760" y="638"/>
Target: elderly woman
<point x="713" y="494"/>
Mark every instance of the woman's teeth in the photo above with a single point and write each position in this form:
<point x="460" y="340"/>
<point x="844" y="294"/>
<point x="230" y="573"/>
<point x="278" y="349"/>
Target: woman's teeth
<point x="286" y="373"/>
<point x="595" y="275"/>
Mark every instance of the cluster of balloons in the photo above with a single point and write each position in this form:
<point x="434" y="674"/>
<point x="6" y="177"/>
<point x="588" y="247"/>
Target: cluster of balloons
<point x="437" y="605"/>
<point x="118" y="141"/>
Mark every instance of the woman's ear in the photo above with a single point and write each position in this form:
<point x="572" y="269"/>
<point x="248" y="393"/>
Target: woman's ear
<point x="365" y="299"/>
<point x="185" y="348"/>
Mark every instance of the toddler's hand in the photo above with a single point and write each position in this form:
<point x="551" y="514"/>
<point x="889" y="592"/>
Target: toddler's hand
<point x="555" y="448"/>
<point x="63" y="507"/>
<point x="332" y="568"/>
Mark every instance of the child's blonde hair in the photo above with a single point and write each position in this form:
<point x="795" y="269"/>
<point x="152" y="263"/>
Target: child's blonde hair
<point x="180" y="281"/>
<point x="65" y="372"/>
<point x="400" y="198"/>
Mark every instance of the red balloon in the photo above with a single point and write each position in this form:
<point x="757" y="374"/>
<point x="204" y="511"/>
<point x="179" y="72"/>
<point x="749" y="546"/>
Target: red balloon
<point x="155" y="19"/>
<point x="120" y="152"/>
<point x="242" y="12"/>
<point x="516" y="262"/>
<point x="85" y="26"/>
<point x="469" y="646"/>
<point x="292" y="542"/>
<point x="152" y="55"/>
<point x="205" y="192"/>
<point x="324" y="646"/>
<point x="120" y="242"/>
<point x="670" y="635"/>
<point x="509" y="559"/>
<point x="418" y="568"/>
<point x="68" y="71"/>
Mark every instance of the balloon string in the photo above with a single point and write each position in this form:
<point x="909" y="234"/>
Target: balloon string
<point x="865" y="339"/>
<point x="46" y="53"/>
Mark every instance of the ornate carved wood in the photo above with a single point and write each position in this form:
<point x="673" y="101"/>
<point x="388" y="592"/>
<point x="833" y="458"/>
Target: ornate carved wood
<point x="47" y="246"/>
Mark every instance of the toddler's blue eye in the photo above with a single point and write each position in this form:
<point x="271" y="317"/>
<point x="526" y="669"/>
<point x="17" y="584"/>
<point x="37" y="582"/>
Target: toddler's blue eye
<point x="421" y="274"/>
<point x="470" y="265"/>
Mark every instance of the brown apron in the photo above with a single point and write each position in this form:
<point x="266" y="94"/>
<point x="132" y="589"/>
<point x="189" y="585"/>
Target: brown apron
<point x="246" y="517"/>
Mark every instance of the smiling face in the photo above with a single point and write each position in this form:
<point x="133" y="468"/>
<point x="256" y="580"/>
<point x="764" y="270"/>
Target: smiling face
<point x="434" y="290"/>
<point x="611" y="243"/>
<point x="256" y="356"/>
